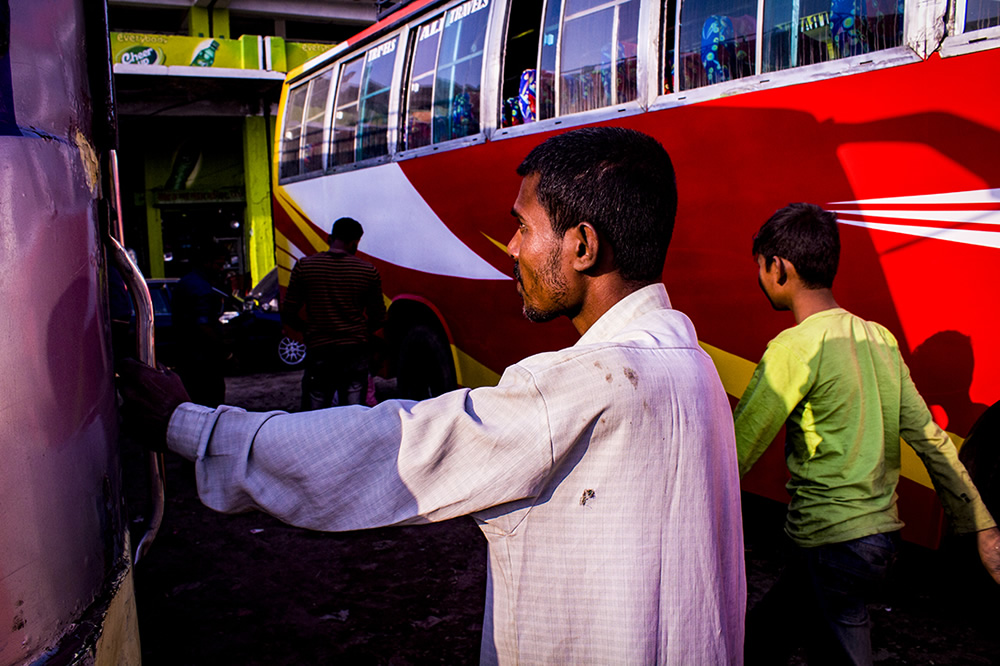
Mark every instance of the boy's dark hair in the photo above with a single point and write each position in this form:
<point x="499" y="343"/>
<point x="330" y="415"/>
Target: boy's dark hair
<point x="805" y="235"/>
<point x="619" y="180"/>
<point x="346" y="229"/>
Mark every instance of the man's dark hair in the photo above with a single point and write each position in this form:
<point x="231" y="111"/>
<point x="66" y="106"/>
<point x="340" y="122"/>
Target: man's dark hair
<point x="620" y="181"/>
<point x="346" y="229"/>
<point x="805" y="235"/>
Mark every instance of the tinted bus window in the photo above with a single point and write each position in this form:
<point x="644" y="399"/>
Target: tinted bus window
<point x="290" y="138"/>
<point x="319" y="92"/>
<point x="586" y="58"/>
<point x="803" y="32"/>
<point x="361" y="109"/>
<point x="669" y="44"/>
<point x="981" y="14"/>
<point x="597" y="55"/>
<point x="446" y="76"/>
<point x="718" y="39"/>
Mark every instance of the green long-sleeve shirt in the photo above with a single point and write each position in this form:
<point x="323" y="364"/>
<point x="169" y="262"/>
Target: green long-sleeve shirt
<point x="840" y="386"/>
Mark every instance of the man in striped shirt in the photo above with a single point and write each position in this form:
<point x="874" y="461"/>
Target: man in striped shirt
<point x="341" y="297"/>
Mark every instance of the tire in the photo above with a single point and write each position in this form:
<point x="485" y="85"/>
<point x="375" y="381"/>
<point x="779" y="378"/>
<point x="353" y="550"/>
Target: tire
<point x="291" y="352"/>
<point x="425" y="368"/>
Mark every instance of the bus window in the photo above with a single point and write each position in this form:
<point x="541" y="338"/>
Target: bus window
<point x="669" y="45"/>
<point x="361" y="109"/>
<point x="520" y="61"/>
<point x="803" y="32"/>
<point x="319" y="91"/>
<point x="597" y="56"/>
<point x="290" y="138"/>
<point x="981" y="14"/>
<point x="446" y="76"/>
<point x="718" y="39"/>
<point x="587" y="56"/>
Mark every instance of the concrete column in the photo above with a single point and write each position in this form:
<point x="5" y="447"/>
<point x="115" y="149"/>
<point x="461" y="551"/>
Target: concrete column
<point x="259" y="226"/>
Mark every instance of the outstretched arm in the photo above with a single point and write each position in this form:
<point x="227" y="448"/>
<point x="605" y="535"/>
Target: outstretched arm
<point x="988" y="542"/>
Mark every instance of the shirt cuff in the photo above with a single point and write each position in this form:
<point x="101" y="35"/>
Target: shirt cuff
<point x="184" y="432"/>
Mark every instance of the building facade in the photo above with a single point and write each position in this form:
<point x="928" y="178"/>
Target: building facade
<point x="197" y="84"/>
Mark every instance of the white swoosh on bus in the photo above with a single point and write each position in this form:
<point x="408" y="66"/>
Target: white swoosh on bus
<point x="949" y="221"/>
<point x="400" y="228"/>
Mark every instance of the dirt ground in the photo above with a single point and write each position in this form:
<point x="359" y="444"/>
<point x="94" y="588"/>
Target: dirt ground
<point x="248" y="590"/>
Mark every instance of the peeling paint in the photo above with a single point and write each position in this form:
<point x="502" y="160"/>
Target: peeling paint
<point x="88" y="160"/>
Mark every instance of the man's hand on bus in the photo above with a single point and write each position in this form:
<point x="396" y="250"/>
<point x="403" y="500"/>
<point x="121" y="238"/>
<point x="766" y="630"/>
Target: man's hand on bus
<point x="989" y="551"/>
<point x="150" y="397"/>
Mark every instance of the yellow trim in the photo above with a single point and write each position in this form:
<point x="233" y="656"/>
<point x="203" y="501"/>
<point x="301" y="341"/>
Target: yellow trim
<point x="736" y="372"/>
<point x="471" y="373"/>
<point x="119" y="644"/>
<point x="299" y="220"/>
<point x="497" y="243"/>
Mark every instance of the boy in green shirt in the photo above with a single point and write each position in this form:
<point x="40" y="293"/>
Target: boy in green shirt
<point x="840" y="386"/>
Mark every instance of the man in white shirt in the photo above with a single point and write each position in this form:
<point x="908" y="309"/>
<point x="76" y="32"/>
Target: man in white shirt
<point x="603" y="475"/>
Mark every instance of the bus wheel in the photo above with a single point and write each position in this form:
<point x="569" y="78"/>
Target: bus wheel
<point x="425" y="368"/>
<point x="291" y="352"/>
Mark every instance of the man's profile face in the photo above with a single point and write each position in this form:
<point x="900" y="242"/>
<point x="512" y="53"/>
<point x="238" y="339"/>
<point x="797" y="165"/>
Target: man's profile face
<point x="539" y="265"/>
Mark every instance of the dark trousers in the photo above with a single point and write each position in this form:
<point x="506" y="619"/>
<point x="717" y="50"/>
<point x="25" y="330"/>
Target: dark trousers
<point x="340" y="370"/>
<point x="821" y="599"/>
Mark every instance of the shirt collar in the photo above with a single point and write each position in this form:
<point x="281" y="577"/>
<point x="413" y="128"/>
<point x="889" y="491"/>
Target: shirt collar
<point x="638" y="303"/>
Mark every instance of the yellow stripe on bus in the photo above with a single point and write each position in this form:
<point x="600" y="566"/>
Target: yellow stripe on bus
<point x="736" y="372"/>
<point x="470" y="373"/>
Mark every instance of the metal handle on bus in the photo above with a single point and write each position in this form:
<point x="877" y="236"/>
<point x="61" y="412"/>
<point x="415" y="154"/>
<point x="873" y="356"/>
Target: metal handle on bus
<point x="144" y="320"/>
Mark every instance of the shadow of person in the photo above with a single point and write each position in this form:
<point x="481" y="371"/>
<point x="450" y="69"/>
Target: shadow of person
<point x="942" y="368"/>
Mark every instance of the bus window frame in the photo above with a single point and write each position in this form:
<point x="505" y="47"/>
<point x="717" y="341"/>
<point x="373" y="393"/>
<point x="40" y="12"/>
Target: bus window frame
<point x="651" y="71"/>
<point x="488" y="89"/>
<point x="289" y="90"/>
<point x="646" y="52"/>
<point x="327" y="133"/>
<point x="392" y="111"/>
<point x="959" y="42"/>
<point x="847" y="66"/>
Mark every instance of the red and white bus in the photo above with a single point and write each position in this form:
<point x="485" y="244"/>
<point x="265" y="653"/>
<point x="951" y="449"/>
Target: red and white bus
<point x="881" y="110"/>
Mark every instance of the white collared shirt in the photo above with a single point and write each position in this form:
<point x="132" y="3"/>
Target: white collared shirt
<point x="603" y="476"/>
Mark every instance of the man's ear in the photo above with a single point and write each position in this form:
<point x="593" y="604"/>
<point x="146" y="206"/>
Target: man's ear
<point x="782" y="271"/>
<point x="585" y="246"/>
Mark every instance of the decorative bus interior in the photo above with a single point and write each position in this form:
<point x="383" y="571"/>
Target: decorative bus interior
<point x="878" y="109"/>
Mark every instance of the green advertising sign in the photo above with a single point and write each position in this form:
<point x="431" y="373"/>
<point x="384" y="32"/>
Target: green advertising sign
<point x="139" y="49"/>
<point x="129" y="48"/>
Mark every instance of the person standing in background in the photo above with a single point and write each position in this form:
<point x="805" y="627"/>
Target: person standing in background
<point x="341" y="296"/>
<point x="197" y="304"/>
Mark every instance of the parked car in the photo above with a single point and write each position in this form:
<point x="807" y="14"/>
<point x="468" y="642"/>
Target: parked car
<point x="256" y="335"/>
<point x="252" y="329"/>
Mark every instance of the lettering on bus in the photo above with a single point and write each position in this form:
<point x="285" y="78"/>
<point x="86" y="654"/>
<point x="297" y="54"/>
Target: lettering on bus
<point x="431" y="29"/>
<point x="380" y="50"/>
<point x="465" y="9"/>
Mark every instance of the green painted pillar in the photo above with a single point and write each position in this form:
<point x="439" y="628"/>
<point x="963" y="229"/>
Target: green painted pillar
<point x="259" y="226"/>
<point x="154" y="223"/>
<point x="198" y="22"/>
<point x="220" y="23"/>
